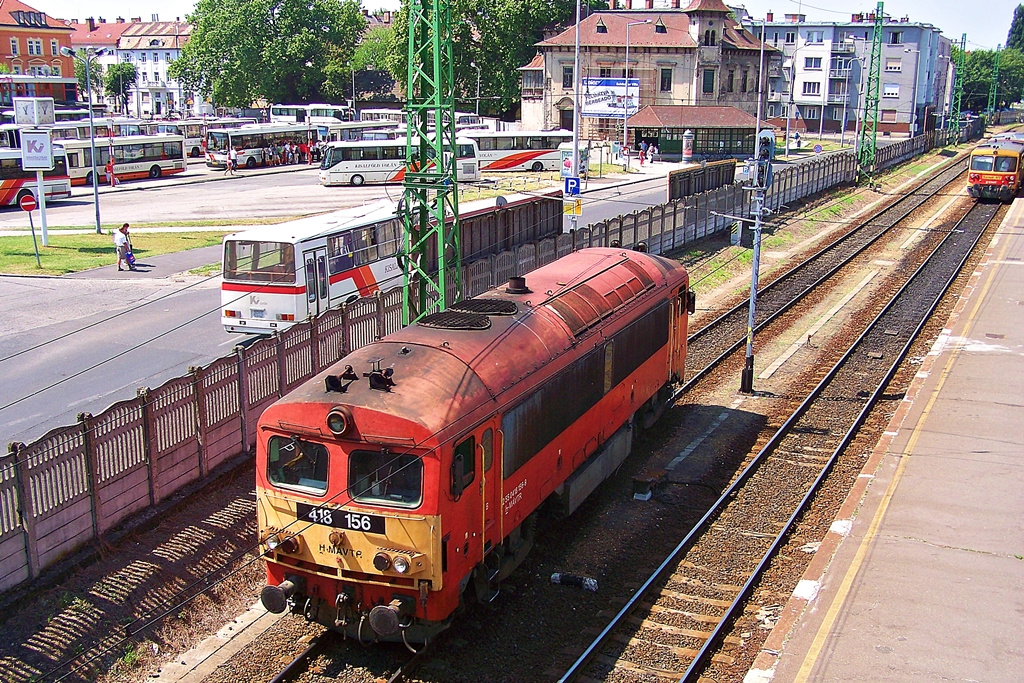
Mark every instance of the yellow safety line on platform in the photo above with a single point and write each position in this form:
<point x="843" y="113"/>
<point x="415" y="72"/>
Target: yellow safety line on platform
<point x="844" y="589"/>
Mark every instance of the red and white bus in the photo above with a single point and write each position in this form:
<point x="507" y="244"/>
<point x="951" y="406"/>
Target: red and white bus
<point x="383" y="161"/>
<point x="15" y="182"/>
<point x="135" y="156"/>
<point x="518" y="150"/>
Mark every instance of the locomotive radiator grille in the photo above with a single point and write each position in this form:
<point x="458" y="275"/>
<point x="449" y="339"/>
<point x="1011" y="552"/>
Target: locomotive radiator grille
<point x="456" y="320"/>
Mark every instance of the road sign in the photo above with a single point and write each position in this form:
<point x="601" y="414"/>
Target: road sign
<point x="572" y="207"/>
<point x="817" y="149"/>
<point x="572" y="187"/>
<point x="27" y="203"/>
<point x="36" y="150"/>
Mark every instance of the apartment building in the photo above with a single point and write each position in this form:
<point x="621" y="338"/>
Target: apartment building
<point x="821" y="82"/>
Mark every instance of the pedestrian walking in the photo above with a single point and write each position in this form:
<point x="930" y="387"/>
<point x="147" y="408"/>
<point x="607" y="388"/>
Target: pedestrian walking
<point x="654" y="151"/>
<point x="109" y="169"/>
<point x="232" y="165"/>
<point x="123" y="245"/>
<point x="641" y="156"/>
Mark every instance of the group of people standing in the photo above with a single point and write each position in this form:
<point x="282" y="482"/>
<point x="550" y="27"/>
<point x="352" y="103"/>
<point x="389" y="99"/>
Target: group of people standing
<point x="280" y="154"/>
<point x="647" y="152"/>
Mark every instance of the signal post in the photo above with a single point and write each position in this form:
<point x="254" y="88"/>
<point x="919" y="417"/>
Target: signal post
<point x="762" y="180"/>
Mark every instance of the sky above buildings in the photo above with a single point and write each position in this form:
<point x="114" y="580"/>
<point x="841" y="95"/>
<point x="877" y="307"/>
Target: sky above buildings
<point x="985" y="24"/>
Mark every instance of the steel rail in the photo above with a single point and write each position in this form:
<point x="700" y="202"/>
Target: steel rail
<point x="298" y="665"/>
<point x="673" y="558"/>
<point x="704" y="654"/>
<point x="914" y="201"/>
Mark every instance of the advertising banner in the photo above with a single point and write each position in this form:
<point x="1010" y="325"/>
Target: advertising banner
<point x="610" y="98"/>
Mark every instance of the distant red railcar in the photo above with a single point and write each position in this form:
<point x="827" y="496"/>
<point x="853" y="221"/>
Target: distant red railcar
<point x="410" y="474"/>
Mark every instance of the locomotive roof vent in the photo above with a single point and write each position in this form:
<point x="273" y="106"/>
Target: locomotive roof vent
<point x="517" y="285"/>
<point x="486" y="307"/>
<point x="456" y="320"/>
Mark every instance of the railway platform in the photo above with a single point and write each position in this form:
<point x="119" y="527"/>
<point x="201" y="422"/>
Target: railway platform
<point x="921" y="576"/>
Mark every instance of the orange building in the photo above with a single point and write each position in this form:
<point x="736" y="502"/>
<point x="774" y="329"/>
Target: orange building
<point x="30" y="41"/>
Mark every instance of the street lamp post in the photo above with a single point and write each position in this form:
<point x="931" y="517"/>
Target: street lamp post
<point x="625" y="111"/>
<point x="86" y="55"/>
<point x="475" y="66"/>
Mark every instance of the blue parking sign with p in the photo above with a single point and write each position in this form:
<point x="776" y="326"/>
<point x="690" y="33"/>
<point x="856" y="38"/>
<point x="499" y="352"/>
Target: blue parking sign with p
<point x="572" y="187"/>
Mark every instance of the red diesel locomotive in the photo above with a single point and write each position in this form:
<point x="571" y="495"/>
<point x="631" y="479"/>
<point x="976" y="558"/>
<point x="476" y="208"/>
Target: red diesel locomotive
<point x="411" y="472"/>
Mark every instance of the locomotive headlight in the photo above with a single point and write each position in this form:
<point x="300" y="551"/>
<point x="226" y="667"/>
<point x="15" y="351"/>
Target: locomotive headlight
<point x="273" y="542"/>
<point x="401" y="564"/>
<point x="339" y="420"/>
<point x="381" y="562"/>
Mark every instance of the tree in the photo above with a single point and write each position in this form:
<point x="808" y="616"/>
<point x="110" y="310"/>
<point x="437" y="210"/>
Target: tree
<point x="95" y="72"/>
<point x="277" y="50"/>
<point x="121" y="78"/>
<point x="499" y="35"/>
<point x="1015" y="38"/>
<point x="978" y="68"/>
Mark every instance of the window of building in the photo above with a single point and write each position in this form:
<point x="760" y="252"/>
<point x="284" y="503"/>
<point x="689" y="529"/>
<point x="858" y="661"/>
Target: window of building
<point x="896" y="38"/>
<point x="605" y="72"/>
<point x="54" y="48"/>
<point x="730" y="81"/>
<point x="709" y="81"/>
<point x="812" y="62"/>
<point x="771" y="110"/>
<point x="567" y="80"/>
<point x="893" y="64"/>
<point x="167" y="56"/>
<point x="533" y="80"/>
<point x="888" y="116"/>
<point x="601" y="26"/>
<point x="815" y="36"/>
<point x="810" y="113"/>
<point x="14" y="48"/>
<point x="35" y="46"/>
<point x="156" y="57"/>
<point x="790" y="37"/>
<point x="812" y="88"/>
<point x="142" y="57"/>
<point x="775" y="38"/>
<point x="837" y="114"/>
<point x="743" y="81"/>
<point x="56" y="70"/>
<point x="891" y="90"/>
<point x="666" y="80"/>
<point x="16" y="68"/>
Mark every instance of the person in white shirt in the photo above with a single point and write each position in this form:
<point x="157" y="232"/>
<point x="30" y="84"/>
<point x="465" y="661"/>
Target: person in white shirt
<point x="232" y="162"/>
<point x="122" y="245"/>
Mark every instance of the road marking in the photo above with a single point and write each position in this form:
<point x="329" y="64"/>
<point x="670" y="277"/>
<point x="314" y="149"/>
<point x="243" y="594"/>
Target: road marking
<point x="806" y="337"/>
<point x="839" y="600"/>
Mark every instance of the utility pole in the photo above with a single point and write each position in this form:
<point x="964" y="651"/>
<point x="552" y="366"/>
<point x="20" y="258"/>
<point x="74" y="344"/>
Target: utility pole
<point x="869" y="131"/>
<point x="958" y="90"/>
<point x="430" y="205"/>
<point x="765" y="153"/>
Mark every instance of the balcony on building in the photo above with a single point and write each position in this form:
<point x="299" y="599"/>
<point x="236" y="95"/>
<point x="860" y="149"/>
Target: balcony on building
<point x="844" y="47"/>
<point x="839" y="73"/>
<point x="838" y="97"/>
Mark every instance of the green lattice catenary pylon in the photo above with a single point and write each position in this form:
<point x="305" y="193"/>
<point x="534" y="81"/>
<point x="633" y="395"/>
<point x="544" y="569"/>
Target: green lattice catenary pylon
<point x="430" y="197"/>
<point x="869" y="130"/>
<point x="958" y="91"/>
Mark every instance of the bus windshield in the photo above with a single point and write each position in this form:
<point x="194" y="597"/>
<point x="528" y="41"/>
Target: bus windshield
<point x="259" y="261"/>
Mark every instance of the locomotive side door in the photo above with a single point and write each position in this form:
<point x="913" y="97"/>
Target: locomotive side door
<point x="467" y="492"/>
<point x="317" y="288"/>
<point x="490" y="487"/>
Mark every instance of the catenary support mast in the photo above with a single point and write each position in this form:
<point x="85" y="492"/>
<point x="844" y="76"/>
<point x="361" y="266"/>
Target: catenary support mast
<point x="958" y="91"/>
<point x="869" y="129"/>
<point x="430" y="195"/>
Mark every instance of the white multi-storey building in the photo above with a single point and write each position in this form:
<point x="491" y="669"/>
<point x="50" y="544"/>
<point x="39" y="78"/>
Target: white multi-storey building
<point x="821" y="83"/>
<point x="151" y="46"/>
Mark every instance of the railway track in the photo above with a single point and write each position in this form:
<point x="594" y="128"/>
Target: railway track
<point x="716" y="341"/>
<point x="674" y="627"/>
<point x="328" y="640"/>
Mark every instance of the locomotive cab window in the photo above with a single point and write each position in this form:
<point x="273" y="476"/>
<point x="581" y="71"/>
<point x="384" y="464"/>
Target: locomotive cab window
<point x="385" y="478"/>
<point x="981" y="163"/>
<point x="463" y="457"/>
<point x="1006" y="164"/>
<point x="295" y="463"/>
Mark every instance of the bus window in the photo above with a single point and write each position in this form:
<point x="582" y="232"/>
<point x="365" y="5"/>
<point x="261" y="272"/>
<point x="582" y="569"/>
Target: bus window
<point x="466" y="151"/>
<point x="217" y="141"/>
<point x="504" y="143"/>
<point x="365" y="245"/>
<point x="393" y="152"/>
<point x="339" y="252"/>
<point x="259" y="261"/>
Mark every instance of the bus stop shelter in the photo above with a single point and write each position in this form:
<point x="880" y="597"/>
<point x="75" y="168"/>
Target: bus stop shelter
<point x="718" y="132"/>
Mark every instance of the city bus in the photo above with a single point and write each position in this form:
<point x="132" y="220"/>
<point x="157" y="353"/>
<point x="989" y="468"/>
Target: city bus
<point x="519" y="150"/>
<point x="252" y="140"/>
<point x="383" y="161"/>
<point x="340" y="131"/>
<point x="15" y="182"/>
<point x="194" y="130"/>
<point x="274" y="276"/>
<point x="135" y="156"/>
<point x="306" y="113"/>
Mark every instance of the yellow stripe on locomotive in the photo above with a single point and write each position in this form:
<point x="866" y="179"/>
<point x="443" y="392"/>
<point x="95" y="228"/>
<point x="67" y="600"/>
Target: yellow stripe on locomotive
<point x="994" y="171"/>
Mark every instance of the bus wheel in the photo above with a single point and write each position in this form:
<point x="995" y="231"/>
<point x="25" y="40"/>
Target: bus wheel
<point x="195" y="153"/>
<point x="357" y="180"/>
<point x="537" y="166"/>
<point x="88" y="178"/>
<point x="250" y="162"/>
<point x="23" y="194"/>
<point x="155" y="172"/>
